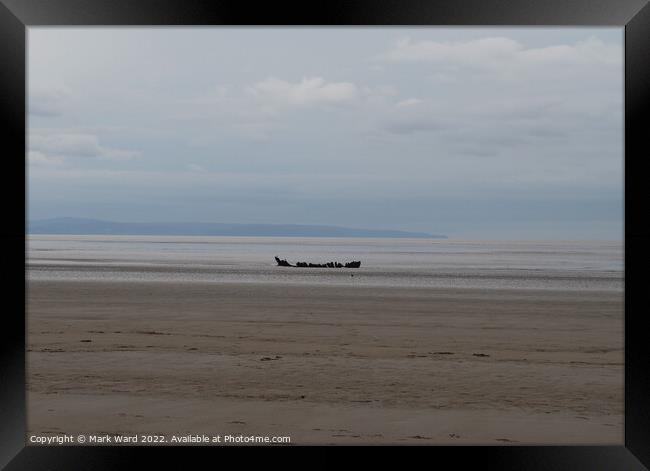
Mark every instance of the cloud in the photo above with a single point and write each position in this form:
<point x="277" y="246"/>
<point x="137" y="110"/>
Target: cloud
<point x="307" y="92"/>
<point x="490" y="119"/>
<point x="75" y="145"/>
<point x="215" y="95"/>
<point x="499" y="53"/>
<point x="411" y="116"/>
<point x="495" y="176"/>
<point x="379" y="91"/>
<point x="483" y="50"/>
<point x="408" y="124"/>
<point x="47" y="102"/>
<point x="36" y="158"/>
<point x="408" y="102"/>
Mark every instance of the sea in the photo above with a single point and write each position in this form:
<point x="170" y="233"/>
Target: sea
<point x="385" y="262"/>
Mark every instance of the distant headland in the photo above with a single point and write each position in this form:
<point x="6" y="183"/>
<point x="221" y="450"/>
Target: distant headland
<point x="82" y="226"/>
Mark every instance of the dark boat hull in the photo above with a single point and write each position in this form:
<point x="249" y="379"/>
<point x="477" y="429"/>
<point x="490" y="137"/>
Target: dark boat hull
<point x="284" y="263"/>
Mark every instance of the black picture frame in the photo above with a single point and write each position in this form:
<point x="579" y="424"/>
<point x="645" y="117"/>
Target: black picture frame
<point x="17" y="15"/>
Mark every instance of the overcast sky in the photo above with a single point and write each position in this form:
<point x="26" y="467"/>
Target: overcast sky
<point x="473" y="133"/>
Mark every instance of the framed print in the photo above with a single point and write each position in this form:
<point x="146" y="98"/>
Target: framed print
<point x="414" y="223"/>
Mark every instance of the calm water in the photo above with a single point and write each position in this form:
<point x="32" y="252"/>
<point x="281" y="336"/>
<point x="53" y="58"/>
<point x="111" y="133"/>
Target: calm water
<point x="385" y="262"/>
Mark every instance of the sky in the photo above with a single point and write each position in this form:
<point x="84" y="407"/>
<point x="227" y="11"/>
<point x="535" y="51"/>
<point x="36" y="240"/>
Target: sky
<point x="475" y="133"/>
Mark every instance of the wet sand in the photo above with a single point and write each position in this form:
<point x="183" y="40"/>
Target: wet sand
<point x="326" y="364"/>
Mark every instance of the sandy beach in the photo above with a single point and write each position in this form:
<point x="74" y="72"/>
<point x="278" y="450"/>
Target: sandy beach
<point x="326" y="364"/>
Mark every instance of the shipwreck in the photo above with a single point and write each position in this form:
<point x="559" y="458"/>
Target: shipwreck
<point x="284" y="263"/>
